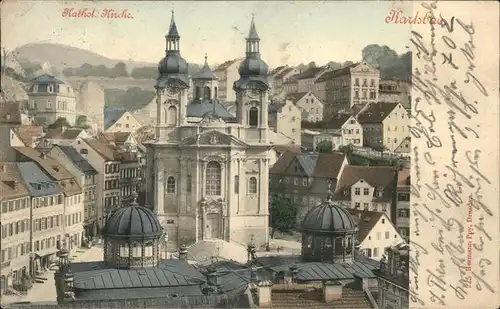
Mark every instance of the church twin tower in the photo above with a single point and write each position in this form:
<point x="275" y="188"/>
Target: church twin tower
<point x="208" y="170"/>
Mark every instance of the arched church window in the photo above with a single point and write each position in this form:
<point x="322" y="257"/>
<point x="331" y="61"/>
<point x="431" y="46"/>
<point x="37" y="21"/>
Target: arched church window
<point x="197" y="93"/>
<point x="215" y="93"/>
<point x="252" y="186"/>
<point x="171" y="185"/>
<point x="206" y="93"/>
<point x="171" y="116"/>
<point x="253" y="116"/>
<point x="213" y="179"/>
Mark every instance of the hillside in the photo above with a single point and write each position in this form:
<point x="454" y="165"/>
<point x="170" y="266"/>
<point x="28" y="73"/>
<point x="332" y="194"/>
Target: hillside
<point x="62" y="56"/>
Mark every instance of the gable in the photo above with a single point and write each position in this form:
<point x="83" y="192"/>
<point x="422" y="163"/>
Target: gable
<point x="351" y="121"/>
<point x="15" y="141"/>
<point x="362" y="184"/>
<point x="379" y="226"/>
<point x="364" y="66"/>
<point x="213" y="138"/>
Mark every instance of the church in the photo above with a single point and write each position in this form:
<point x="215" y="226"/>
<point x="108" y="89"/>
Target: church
<point x="207" y="170"/>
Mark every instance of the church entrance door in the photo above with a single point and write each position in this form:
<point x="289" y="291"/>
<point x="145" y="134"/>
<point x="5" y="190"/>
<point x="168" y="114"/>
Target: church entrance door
<point x="212" y="226"/>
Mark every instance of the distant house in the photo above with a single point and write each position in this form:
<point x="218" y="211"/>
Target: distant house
<point x="310" y="139"/>
<point x="27" y="135"/>
<point x="395" y="91"/>
<point x="64" y="136"/>
<point x="306" y="178"/>
<point x="354" y="84"/>
<point x="285" y="118"/>
<point x="291" y="85"/>
<point x="345" y="125"/>
<point x="277" y="77"/>
<point x="310" y="106"/>
<point x="376" y="232"/>
<point x="125" y="123"/>
<point x="368" y="188"/>
<point x="306" y="80"/>
<point x="385" y="126"/>
<point x="227" y="73"/>
<point x="51" y="99"/>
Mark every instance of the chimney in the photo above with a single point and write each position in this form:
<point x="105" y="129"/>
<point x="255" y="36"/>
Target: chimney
<point x="332" y="291"/>
<point x="63" y="129"/>
<point x="264" y="289"/>
<point x="183" y="253"/>
<point x="43" y="155"/>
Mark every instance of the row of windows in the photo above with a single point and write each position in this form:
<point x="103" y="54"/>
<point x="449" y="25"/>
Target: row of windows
<point x="355" y="141"/>
<point x="75" y="199"/>
<point x="350" y="131"/>
<point x="395" y="128"/>
<point x="129" y="172"/>
<point x="403" y="197"/>
<point x="375" y="206"/>
<point x="14" y="252"/>
<point x="90" y="180"/>
<point x="213" y="185"/>
<point x="111" y="201"/>
<point x="46" y="201"/>
<point x="74" y="218"/>
<point x="366" y="191"/>
<point x="119" y="125"/>
<point x="206" y="93"/>
<point x="111" y="184"/>
<point x="15" y="228"/>
<point x="373" y="94"/>
<point x="47" y="223"/>
<point x="112" y="168"/>
<point x="403" y="213"/>
<point x="15" y="205"/>
<point x="365" y="82"/>
<point x="90" y="196"/>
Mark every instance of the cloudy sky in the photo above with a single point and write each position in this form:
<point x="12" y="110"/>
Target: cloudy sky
<point x="291" y="32"/>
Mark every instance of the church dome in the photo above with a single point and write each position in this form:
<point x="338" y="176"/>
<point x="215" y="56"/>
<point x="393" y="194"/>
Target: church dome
<point x="132" y="222"/>
<point x="253" y="66"/>
<point x="173" y="63"/>
<point x="328" y="217"/>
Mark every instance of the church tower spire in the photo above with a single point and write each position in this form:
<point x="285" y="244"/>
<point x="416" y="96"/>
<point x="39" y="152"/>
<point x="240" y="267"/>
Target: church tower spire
<point x="172" y="38"/>
<point x="253" y="38"/>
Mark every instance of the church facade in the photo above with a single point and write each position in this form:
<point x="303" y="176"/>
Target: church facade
<point x="208" y="171"/>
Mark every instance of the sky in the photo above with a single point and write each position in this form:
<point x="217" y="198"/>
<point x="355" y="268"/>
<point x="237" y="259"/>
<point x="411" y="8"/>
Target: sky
<point x="291" y="32"/>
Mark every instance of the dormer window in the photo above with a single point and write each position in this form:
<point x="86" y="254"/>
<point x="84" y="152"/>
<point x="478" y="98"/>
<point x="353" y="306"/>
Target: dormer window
<point x="50" y="88"/>
<point x="35" y="88"/>
<point x="379" y="192"/>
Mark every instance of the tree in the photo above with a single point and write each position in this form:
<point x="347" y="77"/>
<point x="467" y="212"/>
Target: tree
<point x="348" y="150"/>
<point x="119" y="70"/>
<point x="324" y="146"/>
<point x="59" y="123"/>
<point x="312" y="64"/>
<point x="282" y="214"/>
<point x="82" y="122"/>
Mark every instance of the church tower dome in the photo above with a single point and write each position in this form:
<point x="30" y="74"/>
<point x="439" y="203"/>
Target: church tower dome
<point x="173" y="66"/>
<point x="253" y="68"/>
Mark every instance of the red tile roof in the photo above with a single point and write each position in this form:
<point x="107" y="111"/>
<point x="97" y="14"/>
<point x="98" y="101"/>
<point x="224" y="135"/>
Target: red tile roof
<point x="63" y="133"/>
<point x="336" y="122"/>
<point x="295" y="97"/>
<point x="11" y="182"/>
<point x="28" y="134"/>
<point x="310" y="73"/>
<point x="107" y="151"/>
<point x="326" y="165"/>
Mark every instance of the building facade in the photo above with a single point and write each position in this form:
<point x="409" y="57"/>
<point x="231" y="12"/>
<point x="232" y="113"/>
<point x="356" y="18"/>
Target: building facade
<point x="310" y="106"/>
<point x="280" y="76"/>
<point x="285" y="118"/>
<point x="227" y="74"/>
<point x="343" y="125"/>
<point x="86" y="177"/>
<point x="385" y="126"/>
<point x="354" y="84"/>
<point x="369" y="188"/>
<point x="376" y="233"/>
<point x="306" y="178"/>
<point x="209" y="178"/>
<point x="395" y="91"/>
<point x="51" y="99"/>
<point x="125" y="123"/>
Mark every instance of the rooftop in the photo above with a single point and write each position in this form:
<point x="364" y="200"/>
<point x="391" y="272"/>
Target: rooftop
<point x="365" y="221"/>
<point x="332" y="74"/>
<point x="325" y="165"/>
<point x="37" y="182"/>
<point x="63" y="133"/>
<point x="11" y="182"/>
<point x="106" y="151"/>
<point x="376" y="112"/>
<point x="380" y="177"/>
<point x="310" y="73"/>
<point x="80" y="162"/>
<point x="336" y="122"/>
<point x="29" y="134"/>
<point x="295" y="97"/>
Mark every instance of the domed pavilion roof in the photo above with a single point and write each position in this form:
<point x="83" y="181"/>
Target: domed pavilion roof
<point x="328" y="218"/>
<point x="133" y="221"/>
